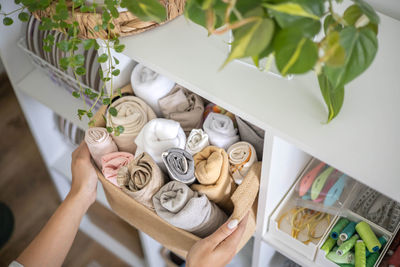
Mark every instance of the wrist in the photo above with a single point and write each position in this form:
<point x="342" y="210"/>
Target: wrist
<point x="82" y="199"/>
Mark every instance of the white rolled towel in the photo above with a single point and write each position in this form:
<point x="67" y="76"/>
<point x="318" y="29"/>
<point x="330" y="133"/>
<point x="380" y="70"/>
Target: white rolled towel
<point x="196" y="141"/>
<point x="221" y="131"/>
<point x="99" y="143"/>
<point x="157" y="136"/>
<point x="242" y="156"/>
<point x="150" y="86"/>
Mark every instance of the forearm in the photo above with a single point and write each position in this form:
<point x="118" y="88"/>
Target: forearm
<point x="52" y="244"/>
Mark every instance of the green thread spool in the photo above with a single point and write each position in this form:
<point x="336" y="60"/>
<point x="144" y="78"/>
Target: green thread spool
<point x="348" y="231"/>
<point x="382" y="240"/>
<point x="347" y="258"/>
<point x="371" y="259"/>
<point x="368" y="236"/>
<point x="339" y="226"/>
<point x="347" y="245"/>
<point x="328" y="245"/>
<point x="339" y="242"/>
<point x="361" y="260"/>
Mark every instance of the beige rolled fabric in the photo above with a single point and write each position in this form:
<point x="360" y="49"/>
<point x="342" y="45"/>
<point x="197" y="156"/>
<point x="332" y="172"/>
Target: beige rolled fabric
<point x="212" y="173"/>
<point x="99" y="143"/>
<point x="133" y="114"/>
<point x="141" y="179"/>
<point x="177" y="204"/>
<point x="184" y="107"/>
<point x="242" y="156"/>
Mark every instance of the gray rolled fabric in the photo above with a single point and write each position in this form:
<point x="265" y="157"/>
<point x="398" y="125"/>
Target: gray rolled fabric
<point x="180" y="165"/>
<point x="184" y="208"/>
<point x="252" y="134"/>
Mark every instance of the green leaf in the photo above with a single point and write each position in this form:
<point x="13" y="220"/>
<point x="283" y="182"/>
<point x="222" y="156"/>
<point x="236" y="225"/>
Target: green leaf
<point x="352" y="14"/>
<point x="115" y="72"/>
<point x="106" y="101"/>
<point x="64" y="63"/>
<point x="119" y="48"/>
<point x="330" y="24"/>
<point x="64" y="45"/>
<point x="368" y="11"/>
<point x="76" y="94"/>
<point x="88" y="43"/>
<point x="116" y="60"/>
<point x="109" y="129"/>
<point x="361" y="46"/>
<point x="294" y="53"/>
<point x="293" y="9"/>
<point x="333" y="97"/>
<point x="89" y="114"/>
<point x="146" y="10"/>
<point x="91" y="123"/>
<point x="120" y="129"/>
<point x="194" y="12"/>
<point x="79" y="60"/>
<point x="102" y="58"/>
<point x="80" y="71"/>
<point x="251" y="39"/>
<point x="335" y="55"/>
<point x="113" y="111"/>
<point x="96" y="28"/>
<point x="7" y="21"/>
<point x="23" y="16"/>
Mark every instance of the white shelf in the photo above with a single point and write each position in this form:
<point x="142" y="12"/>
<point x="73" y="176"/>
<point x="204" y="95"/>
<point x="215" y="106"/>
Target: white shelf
<point x="363" y="141"/>
<point x="38" y="86"/>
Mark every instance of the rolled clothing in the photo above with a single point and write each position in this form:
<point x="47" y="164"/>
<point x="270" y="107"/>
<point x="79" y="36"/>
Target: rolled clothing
<point x="141" y="179"/>
<point x="220" y="130"/>
<point x="133" y="114"/>
<point x="150" y="86"/>
<point x="180" y="165"/>
<point x="211" y="107"/>
<point x="184" y="107"/>
<point x="242" y="156"/>
<point x="157" y="136"/>
<point x="112" y="162"/>
<point x="212" y="173"/>
<point x="196" y="141"/>
<point x="177" y="204"/>
<point x="99" y="143"/>
<point x="252" y="134"/>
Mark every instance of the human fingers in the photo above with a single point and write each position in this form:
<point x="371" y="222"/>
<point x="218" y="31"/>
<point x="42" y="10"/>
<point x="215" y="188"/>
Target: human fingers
<point x="232" y="241"/>
<point x="223" y="232"/>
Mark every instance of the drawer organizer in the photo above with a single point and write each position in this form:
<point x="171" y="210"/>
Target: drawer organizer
<point x="175" y="239"/>
<point x="282" y="219"/>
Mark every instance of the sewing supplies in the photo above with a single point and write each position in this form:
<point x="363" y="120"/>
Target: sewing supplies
<point x="347" y="258"/>
<point x="347" y="245"/>
<point x="368" y="236"/>
<point x="335" y="192"/>
<point x="371" y="259"/>
<point x="319" y="182"/>
<point x="382" y="240"/>
<point x="329" y="184"/>
<point x="328" y="245"/>
<point x="348" y="231"/>
<point x="339" y="226"/>
<point x="308" y="179"/>
<point x="361" y="260"/>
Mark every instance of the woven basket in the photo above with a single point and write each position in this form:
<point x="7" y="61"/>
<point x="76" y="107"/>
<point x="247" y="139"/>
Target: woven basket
<point x="126" y="24"/>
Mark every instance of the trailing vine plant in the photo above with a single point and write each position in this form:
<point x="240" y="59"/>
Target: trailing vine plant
<point x="288" y="30"/>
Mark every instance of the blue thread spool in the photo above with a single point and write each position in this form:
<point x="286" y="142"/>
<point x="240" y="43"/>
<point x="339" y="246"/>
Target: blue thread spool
<point x="348" y="231"/>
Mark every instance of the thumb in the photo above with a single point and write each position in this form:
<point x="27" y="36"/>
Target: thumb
<point x="223" y="232"/>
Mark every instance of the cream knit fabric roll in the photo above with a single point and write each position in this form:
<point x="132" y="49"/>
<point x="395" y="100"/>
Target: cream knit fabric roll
<point x="141" y="179"/>
<point x="184" y="107"/>
<point x="242" y="156"/>
<point x="196" y="141"/>
<point x="111" y="163"/>
<point x="150" y="86"/>
<point x="157" y="136"/>
<point x="220" y="130"/>
<point x="99" y="143"/>
<point x="133" y="114"/>
<point x="177" y="204"/>
<point x="252" y="134"/>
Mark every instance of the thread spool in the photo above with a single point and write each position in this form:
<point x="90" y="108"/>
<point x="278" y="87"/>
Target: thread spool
<point x="328" y="245"/>
<point x="368" y="236"/>
<point x="348" y="231"/>
<point x="361" y="260"/>
<point x="347" y="245"/>
<point x="382" y="240"/>
<point x="371" y="259"/>
<point x="347" y="258"/>
<point x="339" y="226"/>
<point x="339" y="242"/>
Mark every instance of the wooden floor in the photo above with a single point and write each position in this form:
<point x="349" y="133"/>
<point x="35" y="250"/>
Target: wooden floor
<point x="25" y="186"/>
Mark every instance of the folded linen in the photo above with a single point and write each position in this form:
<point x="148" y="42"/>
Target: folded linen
<point x="150" y="86"/>
<point x="196" y="141"/>
<point x="99" y="143"/>
<point x="242" y="156"/>
<point x="180" y="165"/>
<point x="157" y="136"/>
<point x="252" y="134"/>
<point x="141" y="179"/>
<point x="177" y="204"/>
<point x="133" y="114"/>
<point x="220" y="130"/>
<point x="212" y="173"/>
<point x="184" y="107"/>
<point x="211" y="107"/>
<point x="112" y="162"/>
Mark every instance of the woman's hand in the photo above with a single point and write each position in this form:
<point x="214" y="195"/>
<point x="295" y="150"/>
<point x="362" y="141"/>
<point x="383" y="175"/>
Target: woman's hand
<point x="84" y="177"/>
<point x="218" y="249"/>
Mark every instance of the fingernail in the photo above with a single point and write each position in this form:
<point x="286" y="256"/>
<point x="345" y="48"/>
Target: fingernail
<point x="232" y="224"/>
